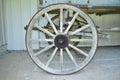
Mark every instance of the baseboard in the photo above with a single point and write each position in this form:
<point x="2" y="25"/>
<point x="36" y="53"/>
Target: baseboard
<point x="3" y="48"/>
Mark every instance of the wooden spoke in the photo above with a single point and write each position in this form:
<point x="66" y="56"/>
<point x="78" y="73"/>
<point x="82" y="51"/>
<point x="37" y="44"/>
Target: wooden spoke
<point x="71" y="23"/>
<point x="43" y="50"/>
<point x="80" y="29"/>
<point x="41" y="40"/>
<point x="78" y="50"/>
<point x="52" y="56"/>
<point x="71" y="57"/>
<point x="53" y="26"/>
<point x="44" y="30"/>
<point x="81" y="40"/>
<point x="61" y="19"/>
<point x="61" y="58"/>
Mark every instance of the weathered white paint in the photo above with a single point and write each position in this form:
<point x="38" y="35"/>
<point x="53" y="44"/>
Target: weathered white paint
<point x="17" y="14"/>
<point x="48" y="2"/>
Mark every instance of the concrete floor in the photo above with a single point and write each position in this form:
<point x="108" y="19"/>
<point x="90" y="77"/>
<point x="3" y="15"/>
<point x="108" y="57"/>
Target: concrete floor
<point x="17" y="65"/>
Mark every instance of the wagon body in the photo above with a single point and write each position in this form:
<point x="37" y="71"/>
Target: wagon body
<point x="91" y="6"/>
<point x="90" y="3"/>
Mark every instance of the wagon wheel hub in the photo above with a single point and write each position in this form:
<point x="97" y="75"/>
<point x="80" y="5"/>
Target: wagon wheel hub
<point x="61" y="41"/>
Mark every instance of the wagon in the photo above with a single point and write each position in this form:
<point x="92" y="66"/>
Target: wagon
<point x="61" y="32"/>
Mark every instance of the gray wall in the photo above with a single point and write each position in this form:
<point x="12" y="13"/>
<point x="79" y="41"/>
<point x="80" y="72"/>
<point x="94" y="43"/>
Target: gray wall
<point x="17" y="14"/>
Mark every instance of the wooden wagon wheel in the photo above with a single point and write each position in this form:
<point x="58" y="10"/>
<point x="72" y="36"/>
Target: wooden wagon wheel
<point x="63" y="58"/>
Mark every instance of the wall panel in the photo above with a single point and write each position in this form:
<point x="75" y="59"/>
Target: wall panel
<point x="17" y="16"/>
